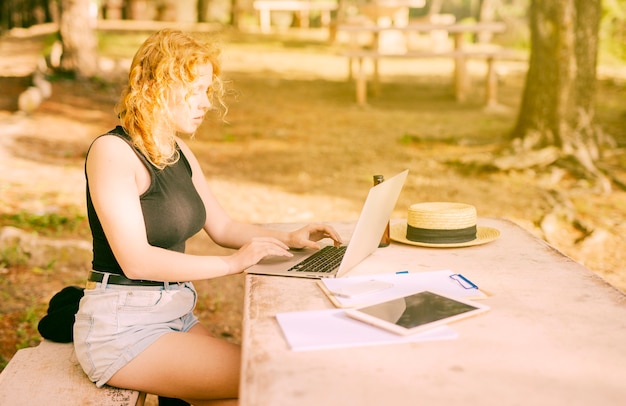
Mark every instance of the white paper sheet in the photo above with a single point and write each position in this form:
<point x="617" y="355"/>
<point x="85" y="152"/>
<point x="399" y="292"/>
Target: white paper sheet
<point x="403" y="285"/>
<point x="331" y="328"/>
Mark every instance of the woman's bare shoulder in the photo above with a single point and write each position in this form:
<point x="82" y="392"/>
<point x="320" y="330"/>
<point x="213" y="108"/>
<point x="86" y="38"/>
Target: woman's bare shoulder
<point x="111" y="150"/>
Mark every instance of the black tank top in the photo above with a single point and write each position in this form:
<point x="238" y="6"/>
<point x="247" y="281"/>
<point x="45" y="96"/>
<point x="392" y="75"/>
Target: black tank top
<point x="172" y="210"/>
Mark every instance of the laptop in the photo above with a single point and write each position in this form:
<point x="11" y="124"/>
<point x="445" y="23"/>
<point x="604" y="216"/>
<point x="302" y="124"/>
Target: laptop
<point x="369" y="228"/>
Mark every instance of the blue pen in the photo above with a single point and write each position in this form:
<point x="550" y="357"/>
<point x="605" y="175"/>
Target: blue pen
<point x="399" y="272"/>
<point x="458" y="276"/>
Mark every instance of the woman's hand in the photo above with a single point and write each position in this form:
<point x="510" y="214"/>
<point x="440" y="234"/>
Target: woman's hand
<point x="262" y="247"/>
<point x="254" y="251"/>
<point x="307" y="236"/>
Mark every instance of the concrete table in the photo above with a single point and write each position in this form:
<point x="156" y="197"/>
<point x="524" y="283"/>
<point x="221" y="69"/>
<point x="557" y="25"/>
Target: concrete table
<point x="555" y="335"/>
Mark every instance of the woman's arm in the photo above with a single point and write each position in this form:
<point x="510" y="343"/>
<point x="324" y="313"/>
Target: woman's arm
<point x="116" y="180"/>
<point x="228" y="232"/>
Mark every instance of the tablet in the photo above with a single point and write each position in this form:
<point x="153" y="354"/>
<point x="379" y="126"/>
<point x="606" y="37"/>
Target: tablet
<point x="416" y="312"/>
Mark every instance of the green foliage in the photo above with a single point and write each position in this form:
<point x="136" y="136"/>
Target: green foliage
<point x="416" y="139"/>
<point x="613" y="30"/>
<point x="229" y="137"/>
<point x="12" y="255"/>
<point x="119" y="45"/>
<point x="49" y="41"/>
<point x="472" y="168"/>
<point x="26" y="332"/>
<point x="409" y="139"/>
<point x="50" y="224"/>
<point x="211" y="303"/>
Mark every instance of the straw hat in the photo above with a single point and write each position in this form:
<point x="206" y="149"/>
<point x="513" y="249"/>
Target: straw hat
<point x="443" y="225"/>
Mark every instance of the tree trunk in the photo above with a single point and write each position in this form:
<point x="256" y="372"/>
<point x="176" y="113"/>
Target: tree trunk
<point x="558" y="98"/>
<point x="558" y="103"/>
<point x="486" y="14"/>
<point x="235" y="13"/>
<point x="203" y="10"/>
<point x="434" y="7"/>
<point x="79" y="40"/>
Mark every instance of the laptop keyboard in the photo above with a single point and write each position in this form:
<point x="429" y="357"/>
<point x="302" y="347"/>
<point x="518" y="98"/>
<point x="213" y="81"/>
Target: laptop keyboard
<point x="325" y="260"/>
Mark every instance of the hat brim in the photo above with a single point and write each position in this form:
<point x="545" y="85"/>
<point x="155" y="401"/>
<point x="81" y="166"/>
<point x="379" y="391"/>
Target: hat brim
<point x="397" y="232"/>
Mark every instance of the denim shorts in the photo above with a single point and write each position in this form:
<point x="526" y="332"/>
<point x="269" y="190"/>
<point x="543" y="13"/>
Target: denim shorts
<point x="115" y="323"/>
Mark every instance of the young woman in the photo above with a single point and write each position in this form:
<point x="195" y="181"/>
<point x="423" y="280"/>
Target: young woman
<point x="146" y="195"/>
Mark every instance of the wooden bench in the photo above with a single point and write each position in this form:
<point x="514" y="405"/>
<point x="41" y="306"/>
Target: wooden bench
<point x="49" y="374"/>
<point x="460" y="80"/>
<point x="302" y="7"/>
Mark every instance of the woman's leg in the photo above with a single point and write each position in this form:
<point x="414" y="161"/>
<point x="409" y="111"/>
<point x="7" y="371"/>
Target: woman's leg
<point x="193" y="366"/>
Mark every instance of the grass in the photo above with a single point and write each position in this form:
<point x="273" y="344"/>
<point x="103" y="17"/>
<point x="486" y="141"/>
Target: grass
<point x="24" y="290"/>
<point x="63" y="224"/>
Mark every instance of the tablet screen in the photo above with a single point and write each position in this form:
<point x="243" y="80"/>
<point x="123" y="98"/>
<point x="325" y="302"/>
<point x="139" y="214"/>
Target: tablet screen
<point x="415" y="312"/>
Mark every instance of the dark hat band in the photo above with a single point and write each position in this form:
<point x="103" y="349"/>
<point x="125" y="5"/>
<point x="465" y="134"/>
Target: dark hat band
<point x="432" y="236"/>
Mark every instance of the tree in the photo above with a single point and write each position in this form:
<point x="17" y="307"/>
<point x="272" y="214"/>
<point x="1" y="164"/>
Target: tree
<point x="486" y="13"/>
<point x="24" y="13"/>
<point x="558" y="102"/>
<point x="78" y="36"/>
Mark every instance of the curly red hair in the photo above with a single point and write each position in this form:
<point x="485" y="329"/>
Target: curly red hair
<point x="167" y="59"/>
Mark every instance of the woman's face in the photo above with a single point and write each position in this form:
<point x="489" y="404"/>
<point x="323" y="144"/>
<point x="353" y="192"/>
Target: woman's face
<point x="187" y="111"/>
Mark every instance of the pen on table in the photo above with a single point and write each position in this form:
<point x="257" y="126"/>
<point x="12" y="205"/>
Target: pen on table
<point x="470" y="283"/>
<point x="401" y="272"/>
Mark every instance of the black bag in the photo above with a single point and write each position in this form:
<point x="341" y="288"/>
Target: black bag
<point x="58" y="324"/>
